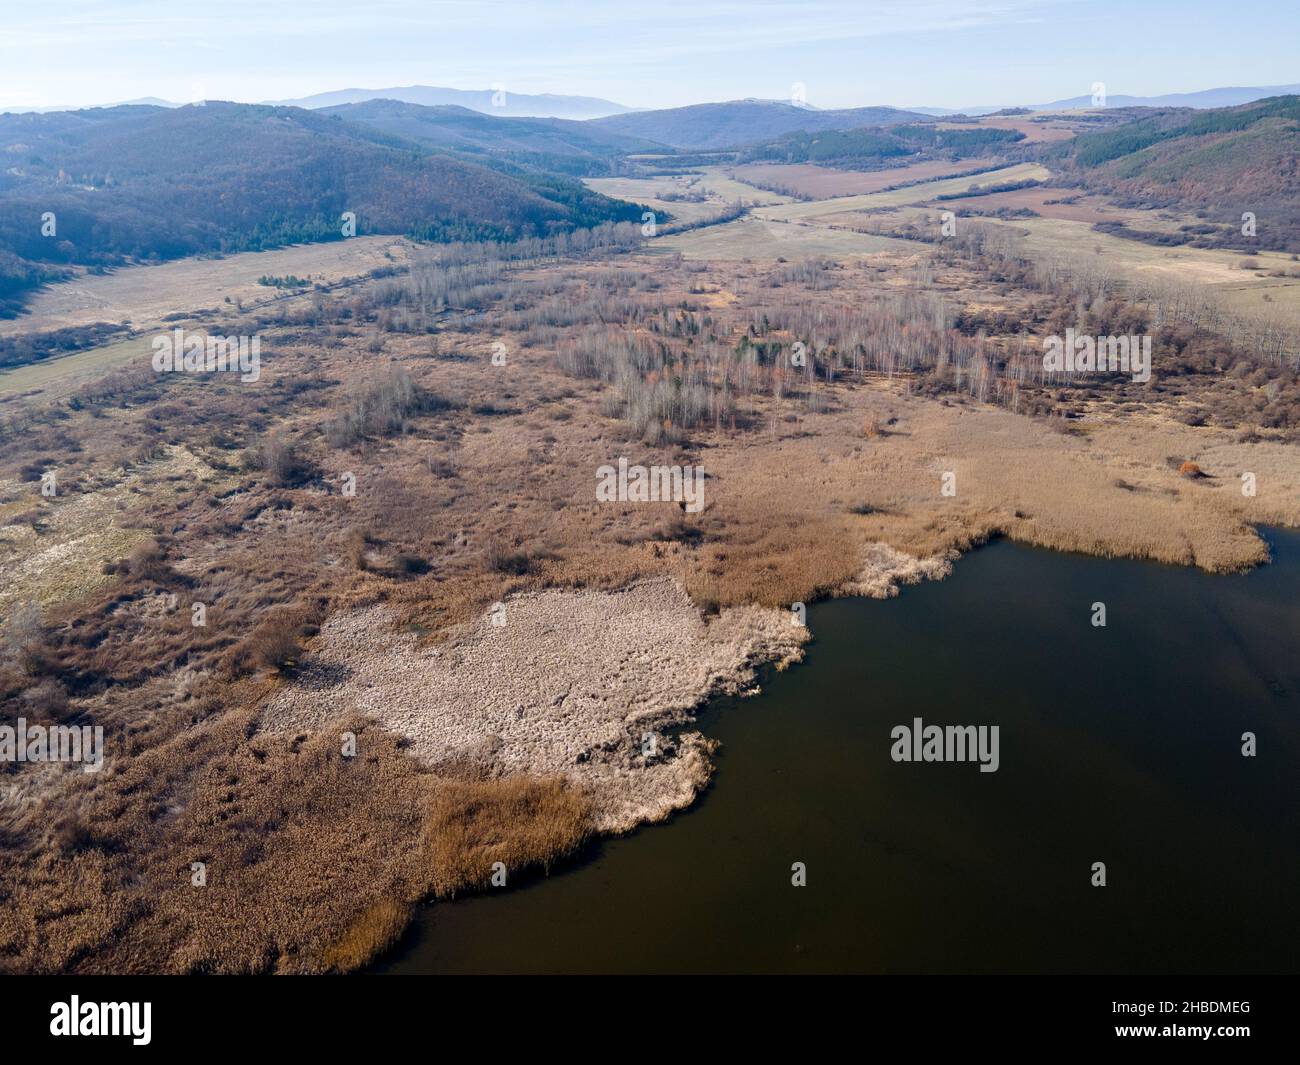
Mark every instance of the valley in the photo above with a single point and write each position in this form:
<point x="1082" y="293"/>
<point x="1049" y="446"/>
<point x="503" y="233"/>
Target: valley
<point x="390" y="620"/>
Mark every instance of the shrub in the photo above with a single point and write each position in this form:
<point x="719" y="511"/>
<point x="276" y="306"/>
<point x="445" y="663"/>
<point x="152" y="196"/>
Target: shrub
<point x="411" y="565"/>
<point x="382" y="407"/>
<point x="278" y="458"/>
<point x="147" y="563"/>
<point x="274" y="645"/>
<point x="504" y="559"/>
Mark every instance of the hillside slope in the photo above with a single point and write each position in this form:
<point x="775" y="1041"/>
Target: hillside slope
<point x="550" y="144"/>
<point x="1222" y="162"/>
<point x="147" y="183"/>
<point x="871" y="148"/>
<point x="740" y="122"/>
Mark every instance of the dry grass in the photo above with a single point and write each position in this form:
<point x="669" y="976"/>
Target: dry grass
<point x="517" y="821"/>
<point x="311" y="856"/>
<point x="822" y="182"/>
<point x="376" y="930"/>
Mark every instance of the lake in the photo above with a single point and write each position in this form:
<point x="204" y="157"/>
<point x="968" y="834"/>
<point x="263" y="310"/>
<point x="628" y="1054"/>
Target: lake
<point x="1119" y="744"/>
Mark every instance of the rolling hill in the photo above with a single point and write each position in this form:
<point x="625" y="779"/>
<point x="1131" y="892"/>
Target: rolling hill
<point x="1221" y="163"/>
<point x="741" y="122"/>
<point x="549" y="144"/>
<point x="148" y="183"/>
<point x="870" y="148"/>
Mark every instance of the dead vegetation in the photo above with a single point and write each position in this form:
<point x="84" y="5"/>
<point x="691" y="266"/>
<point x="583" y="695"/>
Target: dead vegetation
<point x="517" y="822"/>
<point x="474" y="481"/>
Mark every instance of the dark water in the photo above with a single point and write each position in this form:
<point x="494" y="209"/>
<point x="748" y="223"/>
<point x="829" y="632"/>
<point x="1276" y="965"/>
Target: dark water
<point x="1119" y="744"/>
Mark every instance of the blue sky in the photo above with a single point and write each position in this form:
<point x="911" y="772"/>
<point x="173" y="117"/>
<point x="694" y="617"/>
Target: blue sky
<point x="943" y="53"/>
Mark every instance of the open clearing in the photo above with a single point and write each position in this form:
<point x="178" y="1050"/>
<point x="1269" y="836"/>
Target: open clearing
<point x="199" y="292"/>
<point x="144" y="296"/>
<point x="763" y="239"/>
<point x="1251" y="293"/>
<point x="1064" y="235"/>
<point x="709" y="189"/>
<point x="1034" y="129"/>
<point x="1046" y="202"/>
<point x="56" y="378"/>
<point x="898" y="197"/>
<point x="823" y="182"/>
<point x="1242" y="291"/>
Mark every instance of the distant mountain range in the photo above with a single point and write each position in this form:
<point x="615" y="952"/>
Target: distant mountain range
<point x="487" y="101"/>
<point x="1224" y="97"/>
<point x="547" y="105"/>
<point x="738" y="122"/>
<point x="146" y="181"/>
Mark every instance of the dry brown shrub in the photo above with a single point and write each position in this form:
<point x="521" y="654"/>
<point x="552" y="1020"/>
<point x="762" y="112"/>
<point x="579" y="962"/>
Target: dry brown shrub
<point x="520" y="821"/>
<point x="148" y="563"/>
<point x="274" y="644"/>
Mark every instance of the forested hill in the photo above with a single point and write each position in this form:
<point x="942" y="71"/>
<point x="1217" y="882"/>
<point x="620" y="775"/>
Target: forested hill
<point x="740" y="122"/>
<point x="554" y="145"/>
<point x="868" y="148"/>
<point x="1222" y="162"/>
<point x="146" y="183"/>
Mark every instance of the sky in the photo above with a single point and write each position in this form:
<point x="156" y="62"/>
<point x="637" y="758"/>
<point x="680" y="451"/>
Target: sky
<point x="843" y="53"/>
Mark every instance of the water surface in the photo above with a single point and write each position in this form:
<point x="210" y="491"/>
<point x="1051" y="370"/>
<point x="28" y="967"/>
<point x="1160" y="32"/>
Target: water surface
<point x="1119" y="744"/>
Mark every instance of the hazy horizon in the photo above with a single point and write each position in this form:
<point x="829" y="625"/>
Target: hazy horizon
<point x="928" y="53"/>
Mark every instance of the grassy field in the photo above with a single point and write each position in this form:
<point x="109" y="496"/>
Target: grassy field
<point x="1035" y="128"/>
<point x="147" y="295"/>
<point x="779" y="227"/>
<point x="193" y="293"/>
<point x="823" y="182"/>
<point x="913" y="194"/>
<point x="56" y="378"/>
<point x="1045" y="201"/>
<point x="1067" y="239"/>
<point x="1243" y="291"/>
<point x="658" y="193"/>
<point x="769" y="240"/>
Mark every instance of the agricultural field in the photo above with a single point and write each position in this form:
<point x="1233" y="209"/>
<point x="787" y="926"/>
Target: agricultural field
<point x="145" y="296"/>
<point x="1047" y="202"/>
<point x="200" y="292"/>
<point x="823" y="182"/>
<point x="1038" y="129"/>
<point x="799" y="212"/>
<point x="1265" y="286"/>
<point x="773" y="239"/>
